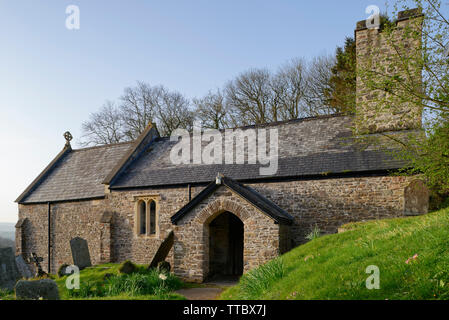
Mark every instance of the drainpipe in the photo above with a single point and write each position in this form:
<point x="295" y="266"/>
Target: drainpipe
<point x="49" y="237"/>
<point x="190" y="192"/>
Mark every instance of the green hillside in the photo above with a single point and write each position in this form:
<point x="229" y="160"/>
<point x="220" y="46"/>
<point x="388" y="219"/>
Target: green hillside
<point x="412" y="255"/>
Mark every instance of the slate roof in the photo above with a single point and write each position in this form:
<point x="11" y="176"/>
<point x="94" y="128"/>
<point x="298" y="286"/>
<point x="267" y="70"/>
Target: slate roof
<point x="292" y="167"/>
<point x="263" y="204"/>
<point x="77" y="174"/>
<point x="307" y="147"/>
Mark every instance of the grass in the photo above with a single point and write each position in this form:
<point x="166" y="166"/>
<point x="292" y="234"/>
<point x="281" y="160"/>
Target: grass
<point x="411" y="253"/>
<point x="144" y="284"/>
<point x="6" y="294"/>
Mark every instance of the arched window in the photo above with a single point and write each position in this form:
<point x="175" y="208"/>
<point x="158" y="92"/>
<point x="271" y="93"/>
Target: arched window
<point x="152" y="217"/>
<point x="142" y="217"/>
<point x="146" y="216"/>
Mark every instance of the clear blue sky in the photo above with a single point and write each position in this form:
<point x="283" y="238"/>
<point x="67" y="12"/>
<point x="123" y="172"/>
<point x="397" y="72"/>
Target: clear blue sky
<point x="52" y="78"/>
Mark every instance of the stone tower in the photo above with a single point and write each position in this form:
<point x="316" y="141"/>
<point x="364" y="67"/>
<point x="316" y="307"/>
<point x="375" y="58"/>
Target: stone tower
<point x="380" y="56"/>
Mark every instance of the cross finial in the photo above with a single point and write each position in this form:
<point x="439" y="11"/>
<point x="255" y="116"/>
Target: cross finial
<point x="68" y="137"/>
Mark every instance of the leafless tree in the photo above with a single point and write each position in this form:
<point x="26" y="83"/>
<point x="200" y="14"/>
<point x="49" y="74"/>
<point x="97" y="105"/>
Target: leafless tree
<point x="212" y="111"/>
<point x="318" y="86"/>
<point x="289" y="89"/>
<point x="173" y="112"/>
<point x="138" y="107"/>
<point x="104" y="127"/>
<point x="256" y="96"/>
<point x="296" y="90"/>
<point x="249" y="96"/>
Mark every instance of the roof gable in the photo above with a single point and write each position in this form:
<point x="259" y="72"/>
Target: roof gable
<point x="252" y="196"/>
<point x="81" y="174"/>
<point x="44" y="173"/>
<point x="145" y="139"/>
<point x="75" y="175"/>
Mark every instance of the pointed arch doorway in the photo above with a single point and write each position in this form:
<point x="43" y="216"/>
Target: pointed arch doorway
<point x="226" y="235"/>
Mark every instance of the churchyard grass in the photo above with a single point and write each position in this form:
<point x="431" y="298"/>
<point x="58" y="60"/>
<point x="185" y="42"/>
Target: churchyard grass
<point x="104" y="282"/>
<point x="411" y="255"/>
<point x="6" y="294"/>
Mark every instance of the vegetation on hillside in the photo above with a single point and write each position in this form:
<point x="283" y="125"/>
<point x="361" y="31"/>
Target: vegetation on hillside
<point x="105" y="282"/>
<point x="411" y="254"/>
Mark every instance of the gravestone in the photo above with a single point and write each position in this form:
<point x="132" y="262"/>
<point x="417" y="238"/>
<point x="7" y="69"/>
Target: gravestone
<point x="163" y="250"/>
<point x="23" y="268"/>
<point x="45" y="289"/>
<point x="80" y="253"/>
<point x="8" y="269"/>
<point x="416" y="198"/>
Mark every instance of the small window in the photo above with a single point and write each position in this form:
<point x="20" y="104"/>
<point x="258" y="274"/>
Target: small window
<point x="152" y="217"/>
<point x="146" y="219"/>
<point x="143" y="217"/>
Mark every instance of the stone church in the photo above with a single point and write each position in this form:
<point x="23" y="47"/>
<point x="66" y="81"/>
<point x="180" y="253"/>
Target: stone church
<point x="127" y="199"/>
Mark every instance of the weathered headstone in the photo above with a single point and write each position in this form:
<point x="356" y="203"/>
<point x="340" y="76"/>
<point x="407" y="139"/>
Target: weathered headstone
<point x="416" y="198"/>
<point x="80" y="253"/>
<point x="45" y="289"/>
<point x="8" y="269"/>
<point x="23" y="268"/>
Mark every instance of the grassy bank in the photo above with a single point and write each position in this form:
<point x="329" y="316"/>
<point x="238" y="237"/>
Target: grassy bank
<point x="412" y="255"/>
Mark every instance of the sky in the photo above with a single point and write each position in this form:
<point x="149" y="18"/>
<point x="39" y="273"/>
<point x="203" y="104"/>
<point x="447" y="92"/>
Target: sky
<point x="52" y="78"/>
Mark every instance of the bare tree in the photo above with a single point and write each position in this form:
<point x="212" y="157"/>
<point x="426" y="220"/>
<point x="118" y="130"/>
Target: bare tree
<point x="173" y="112"/>
<point x="289" y="89"/>
<point x="319" y="74"/>
<point x="138" y="107"/>
<point x="104" y="127"/>
<point x="250" y="96"/>
<point x="212" y="110"/>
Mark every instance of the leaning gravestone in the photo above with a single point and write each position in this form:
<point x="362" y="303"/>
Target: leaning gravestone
<point x="163" y="251"/>
<point x="45" y="289"/>
<point x="23" y="268"/>
<point x="8" y="269"/>
<point x="80" y="253"/>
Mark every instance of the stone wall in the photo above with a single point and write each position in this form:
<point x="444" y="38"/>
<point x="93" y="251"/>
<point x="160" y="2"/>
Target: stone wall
<point x="191" y="249"/>
<point x="68" y="220"/>
<point x="377" y="61"/>
<point x="327" y="203"/>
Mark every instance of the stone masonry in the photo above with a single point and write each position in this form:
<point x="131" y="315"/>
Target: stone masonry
<point x="327" y="203"/>
<point x="378" y="50"/>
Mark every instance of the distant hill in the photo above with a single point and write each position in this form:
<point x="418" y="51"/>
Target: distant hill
<point x="6" y="243"/>
<point x="7" y="231"/>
